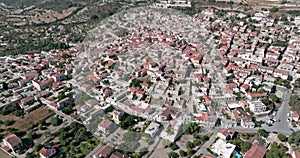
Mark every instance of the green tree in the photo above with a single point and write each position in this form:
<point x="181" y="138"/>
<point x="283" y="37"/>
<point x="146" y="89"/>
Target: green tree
<point x="276" y="151"/>
<point x="274" y="9"/>
<point x="262" y="133"/>
<point x="56" y="121"/>
<point x="182" y="153"/>
<point x="190" y="151"/>
<point x="173" y="146"/>
<point x="189" y="144"/>
<point x="67" y="110"/>
<point x="38" y="147"/>
<point x="282" y="137"/>
<point x="8" y="122"/>
<point x="173" y="154"/>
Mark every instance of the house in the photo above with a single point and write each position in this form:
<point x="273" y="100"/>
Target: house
<point x="226" y="134"/>
<point x="64" y="102"/>
<point x="104" y="151"/>
<point x="172" y="131"/>
<point x="152" y="129"/>
<point x="58" y="77"/>
<point x="168" y="114"/>
<point x="105" y="126"/>
<point x="295" y="154"/>
<point x="295" y="116"/>
<point x="242" y="118"/>
<point x="245" y="87"/>
<point x="117" y="154"/>
<point x="256" y="151"/>
<point x="47" y="152"/>
<point x="13" y="142"/>
<point x="257" y="106"/>
<point x="284" y="74"/>
<point x="222" y="148"/>
<point x="43" y="85"/>
<point x="117" y="115"/>
<point x="250" y="95"/>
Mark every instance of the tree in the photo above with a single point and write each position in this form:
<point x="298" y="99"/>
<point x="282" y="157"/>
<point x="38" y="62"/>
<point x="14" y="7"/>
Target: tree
<point x="38" y="147"/>
<point x="241" y="145"/>
<point x="190" y="151"/>
<point x="276" y="151"/>
<point x="56" y="121"/>
<point x="189" y="144"/>
<point x="182" y="153"/>
<point x="297" y="83"/>
<point x="196" y="142"/>
<point x="173" y="146"/>
<point x="274" y="9"/>
<point x="8" y="122"/>
<point x="274" y="98"/>
<point x="262" y="133"/>
<point x="282" y="137"/>
<point x="67" y="110"/>
<point x="172" y="155"/>
<point x="294" y="138"/>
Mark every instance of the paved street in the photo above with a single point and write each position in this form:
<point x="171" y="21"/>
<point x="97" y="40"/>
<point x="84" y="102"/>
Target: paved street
<point x="93" y="151"/>
<point x="207" y="144"/>
<point x="281" y="126"/>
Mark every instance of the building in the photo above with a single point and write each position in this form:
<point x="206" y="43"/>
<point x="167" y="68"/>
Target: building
<point x="117" y="115"/>
<point x="152" y="129"/>
<point x="257" y="106"/>
<point x="105" y="126"/>
<point x="295" y="154"/>
<point x="104" y="151"/>
<point x="13" y="142"/>
<point x="47" y="153"/>
<point x="223" y="149"/>
<point x="295" y="116"/>
<point x="226" y="134"/>
<point x="43" y="85"/>
<point x="117" y="154"/>
<point x="256" y="151"/>
<point x="242" y="118"/>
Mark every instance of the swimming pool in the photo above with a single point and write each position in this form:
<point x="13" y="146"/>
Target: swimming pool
<point x="237" y="155"/>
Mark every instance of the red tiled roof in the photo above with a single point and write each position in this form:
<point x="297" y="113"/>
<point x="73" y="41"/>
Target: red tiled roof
<point x="105" y="123"/>
<point x="6" y="148"/>
<point x="245" y="86"/>
<point x="257" y="95"/>
<point x="297" y="154"/>
<point x="117" y="154"/>
<point x="104" y="150"/>
<point x="46" y="152"/>
<point x="256" y="151"/>
<point x="203" y="117"/>
<point x="13" y="140"/>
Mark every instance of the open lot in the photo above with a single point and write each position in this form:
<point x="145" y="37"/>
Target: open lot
<point x="3" y="154"/>
<point x="22" y="122"/>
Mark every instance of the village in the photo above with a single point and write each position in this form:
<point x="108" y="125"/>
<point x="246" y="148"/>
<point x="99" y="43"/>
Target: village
<point x="158" y="83"/>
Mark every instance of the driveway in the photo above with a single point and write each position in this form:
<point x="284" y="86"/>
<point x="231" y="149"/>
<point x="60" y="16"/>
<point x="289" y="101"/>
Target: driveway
<point x="281" y="126"/>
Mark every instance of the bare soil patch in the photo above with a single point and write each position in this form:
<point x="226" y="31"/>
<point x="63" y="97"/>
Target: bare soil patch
<point x="23" y="122"/>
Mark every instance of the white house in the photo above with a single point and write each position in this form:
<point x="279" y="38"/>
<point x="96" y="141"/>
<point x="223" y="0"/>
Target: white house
<point x="257" y="106"/>
<point x="223" y="149"/>
<point x="152" y="129"/>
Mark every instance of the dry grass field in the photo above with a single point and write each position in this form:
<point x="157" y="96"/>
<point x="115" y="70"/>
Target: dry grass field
<point x="23" y="122"/>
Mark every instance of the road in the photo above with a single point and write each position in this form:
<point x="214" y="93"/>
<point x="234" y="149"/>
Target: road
<point x="281" y="126"/>
<point x="89" y="155"/>
<point x="207" y="144"/>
